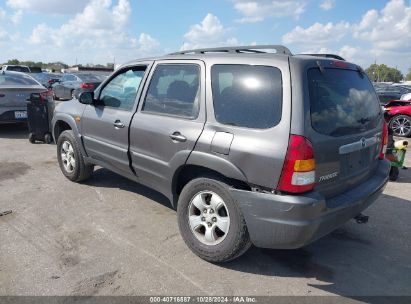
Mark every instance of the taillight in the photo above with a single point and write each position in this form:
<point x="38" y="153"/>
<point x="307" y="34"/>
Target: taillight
<point x="87" y="86"/>
<point x="45" y="96"/>
<point x="298" y="173"/>
<point x="384" y="141"/>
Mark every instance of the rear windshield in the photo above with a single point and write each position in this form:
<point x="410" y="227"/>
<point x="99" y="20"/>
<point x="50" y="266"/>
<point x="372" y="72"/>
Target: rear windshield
<point x="343" y="102"/>
<point x="15" y="79"/>
<point x="247" y="96"/>
<point x="18" y="68"/>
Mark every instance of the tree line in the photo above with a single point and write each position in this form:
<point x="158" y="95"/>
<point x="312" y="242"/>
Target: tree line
<point x="376" y="72"/>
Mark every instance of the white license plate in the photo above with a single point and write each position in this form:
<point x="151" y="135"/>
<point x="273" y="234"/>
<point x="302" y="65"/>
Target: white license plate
<point x="20" y="114"/>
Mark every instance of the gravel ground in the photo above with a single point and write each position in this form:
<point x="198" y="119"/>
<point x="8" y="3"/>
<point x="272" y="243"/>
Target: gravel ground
<point x="111" y="236"/>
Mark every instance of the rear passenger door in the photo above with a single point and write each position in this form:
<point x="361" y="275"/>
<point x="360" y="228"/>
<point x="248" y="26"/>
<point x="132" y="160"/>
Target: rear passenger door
<point x="168" y="122"/>
<point x="105" y="125"/>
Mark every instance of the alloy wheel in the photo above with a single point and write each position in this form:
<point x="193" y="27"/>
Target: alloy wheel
<point x="208" y="218"/>
<point x="67" y="156"/>
<point x="401" y="126"/>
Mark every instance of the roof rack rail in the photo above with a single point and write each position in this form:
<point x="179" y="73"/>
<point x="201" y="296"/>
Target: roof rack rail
<point x="326" y="56"/>
<point x="258" y="49"/>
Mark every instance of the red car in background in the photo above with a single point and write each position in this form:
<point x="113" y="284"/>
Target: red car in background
<point x="398" y="116"/>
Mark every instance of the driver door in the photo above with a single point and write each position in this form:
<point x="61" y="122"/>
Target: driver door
<point x="105" y="124"/>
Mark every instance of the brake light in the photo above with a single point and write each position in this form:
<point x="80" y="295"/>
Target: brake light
<point x="384" y="140"/>
<point x="45" y="96"/>
<point x="87" y="86"/>
<point x="340" y="64"/>
<point x="298" y="174"/>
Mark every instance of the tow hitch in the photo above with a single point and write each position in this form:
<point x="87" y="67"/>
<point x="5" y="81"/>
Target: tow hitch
<point x="361" y="218"/>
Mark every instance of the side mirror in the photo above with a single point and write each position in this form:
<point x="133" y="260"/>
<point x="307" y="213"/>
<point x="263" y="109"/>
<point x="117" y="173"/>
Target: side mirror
<point x="87" y="98"/>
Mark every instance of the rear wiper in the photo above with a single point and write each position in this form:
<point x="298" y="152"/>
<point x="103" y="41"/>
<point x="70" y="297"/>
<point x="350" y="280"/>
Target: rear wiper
<point x="363" y="120"/>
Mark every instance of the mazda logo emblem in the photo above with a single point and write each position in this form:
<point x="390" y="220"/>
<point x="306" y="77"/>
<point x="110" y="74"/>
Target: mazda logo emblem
<point x="363" y="142"/>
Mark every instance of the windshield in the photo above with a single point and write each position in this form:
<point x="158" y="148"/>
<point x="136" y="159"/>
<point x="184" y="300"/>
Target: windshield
<point x="342" y="102"/>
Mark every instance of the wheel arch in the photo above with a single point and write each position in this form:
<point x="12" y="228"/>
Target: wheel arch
<point x="214" y="169"/>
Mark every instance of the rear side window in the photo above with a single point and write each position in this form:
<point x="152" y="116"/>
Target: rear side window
<point x="174" y="90"/>
<point x="247" y="96"/>
<point x="343" y="102"/>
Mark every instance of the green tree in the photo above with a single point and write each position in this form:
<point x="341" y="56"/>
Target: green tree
<point x="408" y="77"/>
<point x="13" y="61"/>
<point x="383" y="73"/>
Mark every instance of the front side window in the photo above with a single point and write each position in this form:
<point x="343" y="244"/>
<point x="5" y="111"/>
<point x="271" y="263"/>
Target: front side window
<point x="247" y="96"/>
<point x="343" y="102"/>
<point x="121" y="91"/>
<point x="174" y="90"/>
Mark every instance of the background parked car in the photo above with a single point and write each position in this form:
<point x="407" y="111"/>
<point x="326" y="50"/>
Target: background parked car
<point x="15" y="89"/>
<point x="72" y="85"/>
<point x="47" y="79"/>
<point x="16" y="68"/>
<point x="398" y="116"/>
<point x="388" y="92"/>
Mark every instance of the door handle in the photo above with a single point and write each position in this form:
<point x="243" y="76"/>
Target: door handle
<point x="178" y="137"/>
<point x="118" y="124"/>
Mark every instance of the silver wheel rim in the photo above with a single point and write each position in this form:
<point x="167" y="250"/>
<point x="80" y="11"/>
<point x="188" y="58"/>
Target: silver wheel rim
<point x="401" y="126"/>
<point x="208" y="218"/>
<point x="67" y="157"/>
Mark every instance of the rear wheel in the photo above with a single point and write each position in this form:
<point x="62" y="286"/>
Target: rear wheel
<point x="48" y="139"/>
<point x="32" y="138"/>
<point x="71" y="160"/>
<point x="210" y="221"/>
<point x="401" y="125"/>
<point x="394" y="172"/>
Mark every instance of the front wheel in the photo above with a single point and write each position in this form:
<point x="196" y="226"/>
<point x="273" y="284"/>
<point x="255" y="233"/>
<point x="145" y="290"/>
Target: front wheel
<point x="210" y="221"/>
<point x="70" y="159"/>
<point x="401" y="125"/>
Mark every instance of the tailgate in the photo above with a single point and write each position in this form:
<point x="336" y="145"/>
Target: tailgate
<point x="346" y="128"/>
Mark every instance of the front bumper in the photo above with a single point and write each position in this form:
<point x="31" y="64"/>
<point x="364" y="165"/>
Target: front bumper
<point x="293" y="221"/>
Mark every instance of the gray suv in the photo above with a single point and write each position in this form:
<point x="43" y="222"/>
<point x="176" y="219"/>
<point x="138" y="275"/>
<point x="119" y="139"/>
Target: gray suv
<point x="252" y="145"/>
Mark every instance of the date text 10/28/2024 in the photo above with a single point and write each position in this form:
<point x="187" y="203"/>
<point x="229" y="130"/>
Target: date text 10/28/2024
<point x="203" y="299"/>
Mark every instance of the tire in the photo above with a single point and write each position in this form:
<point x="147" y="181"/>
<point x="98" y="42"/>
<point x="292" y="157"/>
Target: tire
<point x="78" y="170"/>
<point x="401" y="125"/>
<point x="225" y="246"/>
<point x="394" y="172"/>
<point x="32" y="138"/>
<point x="48" y="139"/>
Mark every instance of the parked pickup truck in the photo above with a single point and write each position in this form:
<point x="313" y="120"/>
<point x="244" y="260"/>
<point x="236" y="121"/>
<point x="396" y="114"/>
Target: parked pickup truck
<point x="250" y="146"/>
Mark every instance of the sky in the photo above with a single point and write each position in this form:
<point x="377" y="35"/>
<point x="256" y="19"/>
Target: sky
<point x="103" y="31"/>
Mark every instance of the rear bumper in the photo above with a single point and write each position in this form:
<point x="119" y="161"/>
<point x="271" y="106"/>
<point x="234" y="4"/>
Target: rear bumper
<point x="7" y="115"/>
<point x="293" y="221"/>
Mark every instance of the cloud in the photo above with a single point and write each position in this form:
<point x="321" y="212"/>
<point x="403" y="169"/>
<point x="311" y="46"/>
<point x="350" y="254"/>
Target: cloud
<point x="16" y="17"/>
<point x="210" y="32"/>
<point x="48" y="6"/>
<point x="389" y="29"/>
<point x="256" y="11"/>
<point x="98" y="33"/>
<point x="327" y="4"/>
<point x="317" y="34"/>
